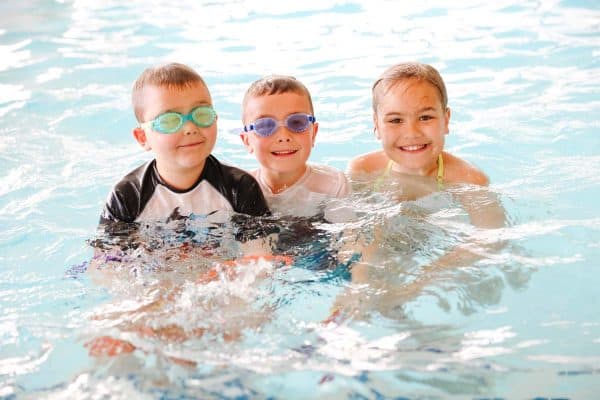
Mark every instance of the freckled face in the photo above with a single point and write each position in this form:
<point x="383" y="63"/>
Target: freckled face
<point x="411" y="124"/>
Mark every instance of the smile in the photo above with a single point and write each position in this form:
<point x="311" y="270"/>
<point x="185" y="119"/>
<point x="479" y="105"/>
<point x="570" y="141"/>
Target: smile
<point x="191" y="145"/>
<point x="414" y="147"/>
<point x="284" y="152"/>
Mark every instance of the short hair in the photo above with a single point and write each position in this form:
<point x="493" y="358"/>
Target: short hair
<point x="171" y="75"/>
<point x="276" y="84"/>
<point x="408" y="70"/>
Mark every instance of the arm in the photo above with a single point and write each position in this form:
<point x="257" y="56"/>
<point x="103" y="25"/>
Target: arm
<point x="486" y="214"/>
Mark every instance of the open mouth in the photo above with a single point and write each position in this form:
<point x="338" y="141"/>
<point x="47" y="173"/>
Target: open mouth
<point x="282" y="153"/>
<point x="413" y="148"/>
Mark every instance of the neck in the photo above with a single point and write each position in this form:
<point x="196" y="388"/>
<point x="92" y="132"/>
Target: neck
<point x="279" y="181"/>
<point x="180" y="178"/>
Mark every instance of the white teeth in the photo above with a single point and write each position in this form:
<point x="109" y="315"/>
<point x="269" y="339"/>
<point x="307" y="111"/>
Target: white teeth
<point x="284" y="152"/>
<point x="413" y="148"/>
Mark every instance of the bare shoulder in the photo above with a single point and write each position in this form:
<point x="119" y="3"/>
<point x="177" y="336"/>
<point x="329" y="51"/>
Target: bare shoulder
<point x="368" y="163"/>
<point x="458" y="170"/>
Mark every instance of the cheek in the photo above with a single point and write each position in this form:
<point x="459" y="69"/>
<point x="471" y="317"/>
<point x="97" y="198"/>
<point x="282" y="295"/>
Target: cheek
<point x="385" y="136"/>
<point x="307" y="141"/>
<point x="213" y="131"/>
<point x="440" y="131"/>
<point x="165" y="141"/>
<point x="260" y="147"/>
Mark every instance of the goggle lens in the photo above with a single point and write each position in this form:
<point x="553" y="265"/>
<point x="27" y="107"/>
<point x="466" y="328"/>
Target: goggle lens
<point x="297" y="122"/>
<point x="203" y="116"/>
<point x="265" y="126"/>
<point x="169" y="122"/>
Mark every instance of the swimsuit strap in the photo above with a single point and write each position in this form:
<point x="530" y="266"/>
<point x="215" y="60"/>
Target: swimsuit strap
<point x="388" y="168"/>
<point x="440" y="174"/>
<point x="383" y="176"/>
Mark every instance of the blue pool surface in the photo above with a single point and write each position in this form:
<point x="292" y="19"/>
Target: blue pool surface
<point x="521" y="322"/>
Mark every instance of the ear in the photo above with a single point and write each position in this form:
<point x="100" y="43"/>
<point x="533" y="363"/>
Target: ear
<point x="375" y="131"/>
<point x="140" y="136"/>
<point x="447" y="120"/>
<point x="246" y="141"/>
<point x="314" y="132"/>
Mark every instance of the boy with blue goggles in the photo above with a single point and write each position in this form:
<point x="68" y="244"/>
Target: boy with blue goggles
<point x="280" y="130"/>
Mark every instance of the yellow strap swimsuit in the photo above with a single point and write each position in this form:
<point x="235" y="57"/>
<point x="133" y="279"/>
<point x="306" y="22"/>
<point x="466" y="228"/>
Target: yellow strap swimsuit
<point x="439" y="178"/>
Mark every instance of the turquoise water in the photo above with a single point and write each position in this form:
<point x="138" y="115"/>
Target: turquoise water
<point x="523" y="86"/>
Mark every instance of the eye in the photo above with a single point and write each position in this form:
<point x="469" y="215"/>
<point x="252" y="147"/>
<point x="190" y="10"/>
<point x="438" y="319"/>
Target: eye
<point x="265" y="124"/>
<point x="203" y="115"/>
<point x="395" y="121"/>
<point x="169" y="120"/>
<point x="426" y="117"/>
<point x="297" y="123"/>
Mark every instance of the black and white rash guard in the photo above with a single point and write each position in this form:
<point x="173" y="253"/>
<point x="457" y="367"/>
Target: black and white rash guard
<point x="143" y="196"/>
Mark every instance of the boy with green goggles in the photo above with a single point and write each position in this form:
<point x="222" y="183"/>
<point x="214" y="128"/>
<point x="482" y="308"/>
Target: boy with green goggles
<point x="177" y="122"/>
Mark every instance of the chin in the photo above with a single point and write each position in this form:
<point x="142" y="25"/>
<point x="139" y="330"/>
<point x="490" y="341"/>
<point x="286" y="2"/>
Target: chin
<point x="192" y="164"/>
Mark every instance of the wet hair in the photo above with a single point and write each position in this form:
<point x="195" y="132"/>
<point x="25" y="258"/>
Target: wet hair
<point x="172" y="75"/>
<point x="276" y="84"/>
<point x="408" y="70"/>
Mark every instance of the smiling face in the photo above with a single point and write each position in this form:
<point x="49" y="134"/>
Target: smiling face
<point x="180" y="156"/>
<point x="411" y="123"/>
<point x="283" y="155"/>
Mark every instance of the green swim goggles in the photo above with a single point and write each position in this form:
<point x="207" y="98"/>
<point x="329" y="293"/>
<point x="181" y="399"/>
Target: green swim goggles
<point x="171" y="122"/>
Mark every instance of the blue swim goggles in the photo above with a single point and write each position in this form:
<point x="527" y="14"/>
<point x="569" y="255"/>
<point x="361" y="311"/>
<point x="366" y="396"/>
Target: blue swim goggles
<point x="171" y="122"/>
<point x="266" y="126"/>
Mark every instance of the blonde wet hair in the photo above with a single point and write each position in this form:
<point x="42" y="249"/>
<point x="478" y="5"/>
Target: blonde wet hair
<point x="408" y="70"/>
<point x="171" y="75"/>
<point x="276" y="84"/>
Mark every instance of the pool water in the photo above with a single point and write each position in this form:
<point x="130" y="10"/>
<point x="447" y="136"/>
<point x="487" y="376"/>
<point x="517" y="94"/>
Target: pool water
<point x="523" y="321"/>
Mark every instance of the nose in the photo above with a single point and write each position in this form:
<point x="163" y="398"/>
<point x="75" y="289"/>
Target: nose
<point x="283" y="134"/>
<point x="413" y="128"/>
<point x="189" y="128"/>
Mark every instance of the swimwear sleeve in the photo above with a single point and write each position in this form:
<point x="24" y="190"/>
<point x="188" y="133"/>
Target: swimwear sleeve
<point x="129" y="196"/>
<point x="117" y="209"/>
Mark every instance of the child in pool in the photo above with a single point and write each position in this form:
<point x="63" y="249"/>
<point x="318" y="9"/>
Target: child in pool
<point x="280" y="130"/>
<point x="178" y="123"/>
<point x="411" y="118"/>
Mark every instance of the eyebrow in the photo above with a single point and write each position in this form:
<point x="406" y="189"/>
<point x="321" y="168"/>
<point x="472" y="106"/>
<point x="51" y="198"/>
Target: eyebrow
<point x="419" y="111"/>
